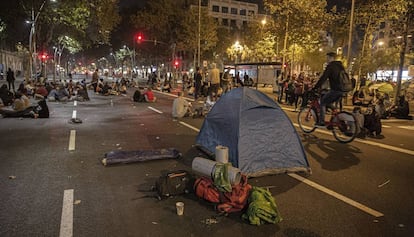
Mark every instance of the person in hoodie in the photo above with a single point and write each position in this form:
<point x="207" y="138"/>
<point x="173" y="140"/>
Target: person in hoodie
<point x="331" y="73"/>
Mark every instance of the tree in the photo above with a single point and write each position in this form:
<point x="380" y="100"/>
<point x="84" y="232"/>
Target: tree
<point x="300" y="22"/>
<point x="370" y="15"/>
<point x="188" y="37"/>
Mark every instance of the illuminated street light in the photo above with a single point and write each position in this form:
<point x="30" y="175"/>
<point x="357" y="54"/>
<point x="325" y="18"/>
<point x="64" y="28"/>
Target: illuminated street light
<point x="263" y="22"/>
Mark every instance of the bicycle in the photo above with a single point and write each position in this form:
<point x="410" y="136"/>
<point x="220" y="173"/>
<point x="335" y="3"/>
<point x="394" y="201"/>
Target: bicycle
<point x="343" y="124"/>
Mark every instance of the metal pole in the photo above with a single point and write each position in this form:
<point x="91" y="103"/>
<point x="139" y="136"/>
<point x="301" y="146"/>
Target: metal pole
<point x="284" y="48"/>
<point x="199" y="33"/>
<point x="351" y="23"/>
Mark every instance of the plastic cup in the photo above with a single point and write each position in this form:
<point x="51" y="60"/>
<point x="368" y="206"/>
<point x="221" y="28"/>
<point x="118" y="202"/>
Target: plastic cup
<point x="180" y="208"/>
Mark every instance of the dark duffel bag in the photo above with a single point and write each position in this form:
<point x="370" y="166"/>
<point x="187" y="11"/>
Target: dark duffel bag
<point x="174" y="183"/>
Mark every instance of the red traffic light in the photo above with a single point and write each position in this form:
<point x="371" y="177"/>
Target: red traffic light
<point x="139" y="38"/>
<point x="176" y="63"/>
<point x="43" y="56"/>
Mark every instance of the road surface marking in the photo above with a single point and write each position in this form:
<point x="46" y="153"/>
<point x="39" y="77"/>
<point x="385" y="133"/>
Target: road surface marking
<point x="72" y="140"/>
<point x="66" y="221"/>
<point x="189" y="126"/>
<point x="337" y="195"/>
<point x="386" y="126"/>
<point x="385" y="146"/>
<point x="74" y="114"/>
<point x="407" y="127"/>
<point x="153" y="109"/>
<point x="75" y="103"/>
<point x="173" y="95"/>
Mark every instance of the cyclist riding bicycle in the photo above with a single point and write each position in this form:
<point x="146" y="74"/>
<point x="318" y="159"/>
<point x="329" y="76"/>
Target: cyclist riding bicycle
<point x="331" y="72"/>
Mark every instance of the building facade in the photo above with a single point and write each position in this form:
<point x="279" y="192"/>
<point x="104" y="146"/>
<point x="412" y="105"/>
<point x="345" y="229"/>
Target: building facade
<point x="233" y="14"/>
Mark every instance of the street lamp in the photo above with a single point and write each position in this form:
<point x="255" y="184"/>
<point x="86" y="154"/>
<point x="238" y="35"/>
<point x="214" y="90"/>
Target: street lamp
<point x="132" y="59"/>
<point x="238" y="48"/>
<point x="32" y="36"/>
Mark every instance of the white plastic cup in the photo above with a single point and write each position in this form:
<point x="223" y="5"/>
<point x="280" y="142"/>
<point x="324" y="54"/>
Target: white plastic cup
<point x="180" y="208"/>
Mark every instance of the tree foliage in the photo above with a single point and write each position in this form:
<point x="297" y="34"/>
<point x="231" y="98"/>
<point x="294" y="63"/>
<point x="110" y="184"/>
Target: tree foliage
<point x="305" y="22"/>
<point x="175" y="23"/>
<point x="88" y="22"/>
<point x="370" y="15"/>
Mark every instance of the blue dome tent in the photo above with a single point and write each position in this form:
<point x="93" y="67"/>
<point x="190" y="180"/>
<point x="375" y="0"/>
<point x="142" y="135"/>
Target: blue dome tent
<point x="260" y="137"/>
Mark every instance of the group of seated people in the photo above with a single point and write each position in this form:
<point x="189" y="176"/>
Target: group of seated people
<point x="115" y="88"/>
<point x="144" y="96"/>
<point x="18" y="104"/>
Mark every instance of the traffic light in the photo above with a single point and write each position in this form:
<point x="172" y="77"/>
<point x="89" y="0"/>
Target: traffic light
<point x="176" y="63"/>
<point x="43" y="57"/>
<point x="139" y="38"/>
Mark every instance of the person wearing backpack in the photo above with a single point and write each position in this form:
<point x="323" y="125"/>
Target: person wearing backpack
<point x="332" y="73"/>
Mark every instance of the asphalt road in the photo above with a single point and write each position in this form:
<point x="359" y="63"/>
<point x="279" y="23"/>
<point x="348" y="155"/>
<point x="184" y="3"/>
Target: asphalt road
<point x="53" y="183"/>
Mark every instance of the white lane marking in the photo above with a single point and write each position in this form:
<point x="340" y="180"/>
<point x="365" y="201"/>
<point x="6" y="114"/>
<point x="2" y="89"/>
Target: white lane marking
<point x="75" y="103"/>
<point x="66" y="221"/>
<point x="153" y="109"/>
<point x="407" y="127"/>
<point x="72" y="138"/>
<point x="385" y="146"/>
<point x="337" y="195"/>
<point x="173" y="95"/>
<point x="386" y="126"/>
<point x="189" y="126"/>
<point x="74" y="114"/>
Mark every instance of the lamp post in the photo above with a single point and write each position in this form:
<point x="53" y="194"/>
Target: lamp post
<point x="199" y="33"/>
<point x="32" y="36"/>
<point x="351" y="22"/>
<point x="238" y="50"/>
<point x="131" y="58"/>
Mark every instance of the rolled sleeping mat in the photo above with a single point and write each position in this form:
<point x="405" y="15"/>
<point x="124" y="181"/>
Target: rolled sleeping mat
<point x="206" y="167"/>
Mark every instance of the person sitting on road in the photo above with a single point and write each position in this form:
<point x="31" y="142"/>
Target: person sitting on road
<point x="6" y="95"/>
<point x="149" y="95"/>
<point x="166" y="86"/>
<point x="58" y="94"/>
<point x="123" y="88"/>
<point x="40" y="92"/>
<point x="402" y="110"/>
<point x="181" y="107"/>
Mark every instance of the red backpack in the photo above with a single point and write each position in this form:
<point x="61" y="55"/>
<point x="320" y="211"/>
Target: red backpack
<point x="228" y="202"/>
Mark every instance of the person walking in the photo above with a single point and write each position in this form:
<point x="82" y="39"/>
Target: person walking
<point x="198" y="78"/>
<point x="11" y="79"/>
<point x="214" y="78"/>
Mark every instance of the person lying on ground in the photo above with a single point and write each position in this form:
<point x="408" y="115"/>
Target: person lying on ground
<point x="21" y="108"/>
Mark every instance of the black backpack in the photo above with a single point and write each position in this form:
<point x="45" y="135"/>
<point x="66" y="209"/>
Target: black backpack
<point x="345" y="82"/>
<point x="174" y="183"/>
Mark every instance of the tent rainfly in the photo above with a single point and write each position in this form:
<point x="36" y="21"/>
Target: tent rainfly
<point x="260" y="136"/>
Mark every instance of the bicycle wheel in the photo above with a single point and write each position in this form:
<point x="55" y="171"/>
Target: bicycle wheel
<point x="345" y="130"/>
<point x="306" y="119"/>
